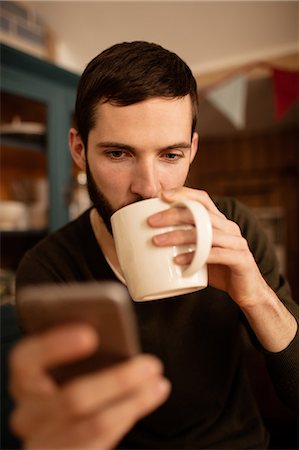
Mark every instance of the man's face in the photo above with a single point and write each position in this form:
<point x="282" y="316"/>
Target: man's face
<point x="136" y="151"/>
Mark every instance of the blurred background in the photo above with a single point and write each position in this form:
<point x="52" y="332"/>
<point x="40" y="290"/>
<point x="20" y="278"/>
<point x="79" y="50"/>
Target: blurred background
<point x="245" y="57"/>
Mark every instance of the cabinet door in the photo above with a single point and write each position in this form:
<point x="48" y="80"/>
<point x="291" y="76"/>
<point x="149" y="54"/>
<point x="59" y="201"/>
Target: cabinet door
<point x="59" y="103"/>
<point x="24" y="200"/>
<point x="37" y="100"/>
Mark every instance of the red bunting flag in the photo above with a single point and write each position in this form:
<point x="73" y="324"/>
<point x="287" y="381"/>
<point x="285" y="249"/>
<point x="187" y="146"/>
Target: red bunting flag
<point x="286" y="90"/>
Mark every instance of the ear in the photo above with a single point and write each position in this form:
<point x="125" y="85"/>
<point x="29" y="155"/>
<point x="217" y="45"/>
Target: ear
<point x="77" y="149"/>
<point x="194" y="146"/>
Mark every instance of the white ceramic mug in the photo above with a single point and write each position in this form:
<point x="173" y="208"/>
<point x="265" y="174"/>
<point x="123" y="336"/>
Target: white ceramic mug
<point x="150" y="271"/>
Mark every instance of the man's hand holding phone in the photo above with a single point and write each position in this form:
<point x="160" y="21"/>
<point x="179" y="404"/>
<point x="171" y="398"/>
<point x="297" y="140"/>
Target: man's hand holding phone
<point x="65" y="397"/>
<point x="92" y="411"/>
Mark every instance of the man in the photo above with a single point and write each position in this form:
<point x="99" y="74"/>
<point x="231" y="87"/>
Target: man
<point x="136" y="113"/>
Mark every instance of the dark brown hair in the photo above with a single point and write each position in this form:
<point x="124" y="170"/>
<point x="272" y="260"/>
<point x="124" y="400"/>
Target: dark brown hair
<point x="128" y="73"/>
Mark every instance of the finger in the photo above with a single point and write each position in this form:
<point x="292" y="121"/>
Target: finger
<point x="30" y="359"/>
<point x="182" y="215"/>
<point x="239" y="260"/>
<point x="225" y="225"/>
<point x="31" y="413"/>
<point x="176" y="237"/>
<point x="187" y="235"/>
<point x="105" y="428"/>
<point x="192" y="194"/>
<point x="85" y="394"/>
<point x="133" y="408"/>
<point x="171" y="217"/>
<point x="228" y="242"/>
<point x="222" y="256"/>
<point x="177" y="216"/>
<point x="184" y="258"/>
<point x="96" y="390"/>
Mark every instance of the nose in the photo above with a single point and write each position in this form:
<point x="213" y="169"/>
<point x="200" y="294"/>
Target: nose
<point x="145" y="180"/>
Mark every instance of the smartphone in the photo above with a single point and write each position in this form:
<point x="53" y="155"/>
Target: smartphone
<point x="104" y="305"/>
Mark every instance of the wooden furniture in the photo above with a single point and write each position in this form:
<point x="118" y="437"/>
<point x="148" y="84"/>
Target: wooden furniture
<point x="35" y="91"/>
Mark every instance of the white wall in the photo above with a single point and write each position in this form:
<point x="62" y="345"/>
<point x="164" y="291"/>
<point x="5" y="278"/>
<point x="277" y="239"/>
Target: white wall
<point x="209" y="35"/>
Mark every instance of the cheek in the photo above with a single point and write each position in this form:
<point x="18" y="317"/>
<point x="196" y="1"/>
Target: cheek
<point x="172" y="177"/>
<point x="112" y="182"/>
<point x="104" y="174"/>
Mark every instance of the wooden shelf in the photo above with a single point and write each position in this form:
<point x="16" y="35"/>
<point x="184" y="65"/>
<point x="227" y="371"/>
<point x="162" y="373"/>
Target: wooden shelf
<point x="24" y="143"/>
<point x="19" y="165"/>
<point x="23" y="161"/>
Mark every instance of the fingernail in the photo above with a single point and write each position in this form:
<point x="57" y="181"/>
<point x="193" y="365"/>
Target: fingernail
<point x="155" y="218"/>
<point x="150" y="366"/>
<point x="162" y="387"/>
<point x="180" y="259"/>
<point x="160" y="239"/>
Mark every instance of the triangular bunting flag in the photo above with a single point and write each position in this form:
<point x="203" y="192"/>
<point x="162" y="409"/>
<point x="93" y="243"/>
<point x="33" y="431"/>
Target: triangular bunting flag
<point x="230" y="98"/>
<point x="286" y="90"/>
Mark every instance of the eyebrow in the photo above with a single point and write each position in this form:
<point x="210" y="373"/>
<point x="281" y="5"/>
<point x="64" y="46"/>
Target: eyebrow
<point x="121" y="146"/>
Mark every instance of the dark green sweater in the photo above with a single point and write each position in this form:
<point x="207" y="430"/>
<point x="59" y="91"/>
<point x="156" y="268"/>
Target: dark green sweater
<point x="198" y="336"/>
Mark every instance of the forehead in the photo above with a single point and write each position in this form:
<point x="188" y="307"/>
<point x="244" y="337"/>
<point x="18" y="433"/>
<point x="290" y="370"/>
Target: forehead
<point x="156" y="113"/>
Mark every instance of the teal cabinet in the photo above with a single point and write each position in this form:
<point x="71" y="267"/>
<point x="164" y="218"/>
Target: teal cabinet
<point x="38" y="80"/>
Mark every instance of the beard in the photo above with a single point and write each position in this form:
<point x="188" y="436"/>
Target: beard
<point x="100" y="202"/>
<point x="98" y="199"/>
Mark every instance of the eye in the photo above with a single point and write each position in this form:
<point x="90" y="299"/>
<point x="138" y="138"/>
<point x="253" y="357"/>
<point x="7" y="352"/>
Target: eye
<point x="116" y="154"/>
<point x="171" y="156"/>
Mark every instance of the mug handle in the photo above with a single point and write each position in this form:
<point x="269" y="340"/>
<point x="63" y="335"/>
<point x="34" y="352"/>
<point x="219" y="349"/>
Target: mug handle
<point x="204" y="235"/>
